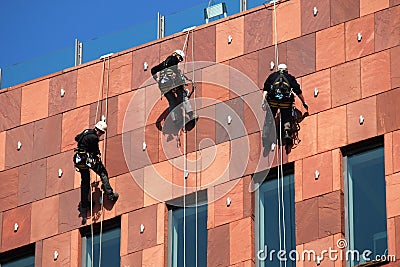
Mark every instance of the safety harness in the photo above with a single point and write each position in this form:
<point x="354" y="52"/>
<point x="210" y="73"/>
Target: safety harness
<point x="83" y="160"/>
<point x="281" y="94"/>
<point x="170" y="79"/>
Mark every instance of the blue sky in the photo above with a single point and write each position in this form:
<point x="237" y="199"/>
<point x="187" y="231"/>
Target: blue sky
<point x="33" y="28"/>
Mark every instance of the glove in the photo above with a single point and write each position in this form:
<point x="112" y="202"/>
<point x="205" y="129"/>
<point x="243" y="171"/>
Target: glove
<point x="264" y="105"/>
<point x="305" y="105"/>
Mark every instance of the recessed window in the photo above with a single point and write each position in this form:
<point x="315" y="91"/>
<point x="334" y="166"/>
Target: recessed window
<point x="275" y="220"/>
<point x="182" y="240"/>
<point x="20" y="257"/>
<point x="108" y="241"/>
<point x="366" y="204"/>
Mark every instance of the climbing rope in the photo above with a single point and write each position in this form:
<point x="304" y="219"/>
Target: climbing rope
<point x="91" y="190"/>
<point x="101" y="87"/>
<point x="185" y="167"/>
<point x="104" y="160"/>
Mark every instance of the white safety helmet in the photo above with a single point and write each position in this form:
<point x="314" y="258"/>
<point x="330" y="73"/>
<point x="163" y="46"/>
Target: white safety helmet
<point x="180" y="53"/>
<point x="101" y="126"/>
<point x="282" y="67"/>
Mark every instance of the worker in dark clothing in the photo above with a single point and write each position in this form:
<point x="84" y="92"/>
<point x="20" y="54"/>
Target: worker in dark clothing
<point x="87" y="156"/>
<point x="172" y="83"/>
<point x="278" y="94"/>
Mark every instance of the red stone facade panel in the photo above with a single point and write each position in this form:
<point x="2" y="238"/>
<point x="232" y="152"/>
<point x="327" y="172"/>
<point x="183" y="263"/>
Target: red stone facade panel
<point x="392" y="196"/>
<point x="54" y="183"/>
<point x="288" y="11"/>
<point x="372" y="6"/>
<point x="24" y="135"/>
<point x="10" y="238"/>
<point x="301" y="55"/>
<point x="89" y="83"/>
<point x="354" y="47"/>
<point x="218" y="246"/>
<point x="57" y="102"/>
<point x="68" y="218"/>
<point x="139" y="241"/>
<point x="255" y="36"/>
<point x="32" y="182"/>
<point x="307" y="221"/>
<point x="131" y="111"/>
<point x="215" y="168"/>
<point x="311" y="22"/>
<point x="35" y="101"/>
<point x="332" y="121"/>
<point x="9" y="189"/>
<point x="345" y="82"/>
<point x="330" y="41"/>
<point x="133" y="259"/>
<point x="361" y="120"/>
<point x="396" y="151"/>
<point x="10" y="109"/>
<point x="387" y="28"/>
<point x="114" y="157"/>
<point x="47" y="137"/>
<point x="131" y="194"/>
<point x="344" y="10"/>
<point x="247" y="65"/>
<point x="120" y="76"/>
<point x="375" y="74"/>
<point x="224" y="213"/>
<point x="308" y="137"/>
<point x="235" y="29"/>
<point x="331" y="214"/>
<point x="141" y="77"/>
<point x="317" y="175"/>
<point x="2" y="150"/>
<point x="204" y="44"/>
<point x="153" y="256"/>
<point x="387" y="110"/>
<point x="241" y="240"/>
<point x="73" y="123"/>
<point x="265" y="57"/>
<point x="317" y="91"/>
<point x="45" y="210"/>
<point x="61" y="244"/>
<point x="395" y="66"/>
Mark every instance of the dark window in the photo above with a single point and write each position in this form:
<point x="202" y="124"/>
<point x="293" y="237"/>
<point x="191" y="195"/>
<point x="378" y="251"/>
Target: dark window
<point x="178" y="226"/>
<point x="20" y="257"/>
<point x="366" y="204"/>
<point x="110" y="246"/>
<point x="276" y="220"/>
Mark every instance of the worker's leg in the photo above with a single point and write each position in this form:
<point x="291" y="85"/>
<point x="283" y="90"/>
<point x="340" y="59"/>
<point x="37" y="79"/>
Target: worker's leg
<point x="85" y="188"/>
<point x="286" y="114"/>
<point x="173" y="102"/>
<point x="102" y="172"/>
<point x="268" y="127"/>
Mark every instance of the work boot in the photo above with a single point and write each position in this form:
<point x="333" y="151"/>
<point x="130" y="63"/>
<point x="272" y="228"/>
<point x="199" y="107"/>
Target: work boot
<point x="287" y="137"/>
<point x="113" y="196"/>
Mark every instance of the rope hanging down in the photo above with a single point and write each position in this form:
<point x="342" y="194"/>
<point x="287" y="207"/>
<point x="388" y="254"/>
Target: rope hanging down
<point x="280" y="185"/>
<point x="103" y="157"/>
<point x="185" y="167"/>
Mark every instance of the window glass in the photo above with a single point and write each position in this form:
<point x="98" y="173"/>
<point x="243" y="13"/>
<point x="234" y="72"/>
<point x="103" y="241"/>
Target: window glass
<point x="110" y="248"/>
<point x="270" y="209"/>
<point x="366" y="197"/>
<point x="177" y="236"/>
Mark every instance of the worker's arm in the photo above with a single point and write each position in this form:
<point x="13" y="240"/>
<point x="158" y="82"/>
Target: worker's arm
<point x="156" y="69"/>
<point x="303" y="101"/>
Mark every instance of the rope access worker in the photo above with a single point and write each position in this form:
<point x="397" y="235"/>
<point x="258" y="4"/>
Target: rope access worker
<point x="87" y="156"/>
<point x="171" y="82"/>
<point x="278" y="93"/>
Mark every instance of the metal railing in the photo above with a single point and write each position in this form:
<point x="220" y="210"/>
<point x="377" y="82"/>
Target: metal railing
<point x="86" y="51"/>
